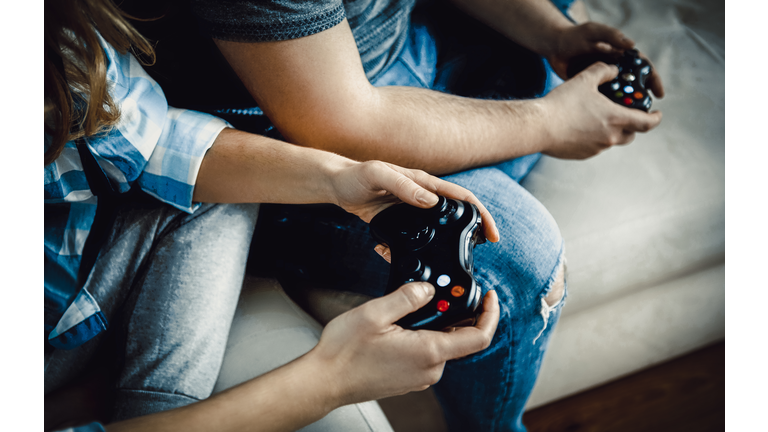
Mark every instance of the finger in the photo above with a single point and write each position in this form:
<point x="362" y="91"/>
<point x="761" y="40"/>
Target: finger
<point x="655" y="85"/>
<point x="384" y="252"/>
<point x="626" y="138"/>
<point x="599" y="73"/>
<point x="468" y="340"/>
<point x="394" y="181"/>
<point x="603" y="33"/>
<point x="452" y="190"/>
<point x="653" y="82"/>
<point x="406" y="299"/>
<point x="640" y="121"/>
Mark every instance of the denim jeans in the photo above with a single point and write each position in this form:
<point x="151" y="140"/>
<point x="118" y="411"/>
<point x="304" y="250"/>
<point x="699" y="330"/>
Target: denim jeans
<point x="486" y="391"/>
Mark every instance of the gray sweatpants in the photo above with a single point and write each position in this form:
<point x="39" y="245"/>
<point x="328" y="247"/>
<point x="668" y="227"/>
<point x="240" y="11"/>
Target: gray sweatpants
<point x="168" y="283"/>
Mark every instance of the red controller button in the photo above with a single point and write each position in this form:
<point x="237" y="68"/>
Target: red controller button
<point x="442" y="305"/>
<point x="627" y="101"/>
<point x="457" y="291"/>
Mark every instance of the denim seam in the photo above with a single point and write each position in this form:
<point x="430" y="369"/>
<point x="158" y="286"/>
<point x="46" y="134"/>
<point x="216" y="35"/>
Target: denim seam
<point x="158" y="392"/>
<point x="413" y="72"/>
<point x="553" y="275"/>
<point x="507" y="378"/>
<point x="507" y="375"/>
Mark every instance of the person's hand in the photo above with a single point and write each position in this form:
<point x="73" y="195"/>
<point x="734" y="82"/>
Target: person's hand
<point x="582" y="122"/>
<point x="367" y="188"/>
<point x="592" y="38"/>
<point x="368" y="357"/>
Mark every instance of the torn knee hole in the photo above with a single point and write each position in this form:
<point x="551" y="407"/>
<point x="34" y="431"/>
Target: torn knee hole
<point x="558" y="288"/>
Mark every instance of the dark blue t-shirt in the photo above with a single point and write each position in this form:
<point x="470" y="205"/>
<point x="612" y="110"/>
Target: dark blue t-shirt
<point x="379" y="26"/>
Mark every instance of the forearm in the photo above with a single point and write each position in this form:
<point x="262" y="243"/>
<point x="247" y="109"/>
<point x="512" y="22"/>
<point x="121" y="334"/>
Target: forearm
<point x="285" y="399"/>
<point x="428" y="130"/>
<point x="242" y="167"/>
<point x="534" y="24"/>
<point x="315" y="91"/>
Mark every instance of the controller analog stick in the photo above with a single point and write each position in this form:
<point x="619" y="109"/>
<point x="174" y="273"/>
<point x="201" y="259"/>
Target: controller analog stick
<point x="411" y="265"/>
<point x="451" y="213"/>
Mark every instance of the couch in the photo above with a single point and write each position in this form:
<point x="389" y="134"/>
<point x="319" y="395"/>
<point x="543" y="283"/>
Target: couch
<point x="644" y="228"/>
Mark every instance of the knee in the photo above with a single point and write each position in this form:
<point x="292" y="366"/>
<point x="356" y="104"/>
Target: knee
<point x="531" y="246"/>
<point x="557" y="291"/>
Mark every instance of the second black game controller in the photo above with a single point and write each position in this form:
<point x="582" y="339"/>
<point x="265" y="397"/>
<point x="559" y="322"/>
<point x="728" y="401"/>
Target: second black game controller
<point x="434" y="245"/>
<point x="628" y="88"/>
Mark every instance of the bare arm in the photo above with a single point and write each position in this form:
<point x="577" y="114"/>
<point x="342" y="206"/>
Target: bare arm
<point x="315" y="91"/>
<point x="241" y="168"/>
<point x="534" y="24"/>
<point x="361" y="356"/>
<point x="540" y="27"/>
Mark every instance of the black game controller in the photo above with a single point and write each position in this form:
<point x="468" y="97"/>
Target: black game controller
<point x="433" y="245"/>
<point x="628" y="88"/>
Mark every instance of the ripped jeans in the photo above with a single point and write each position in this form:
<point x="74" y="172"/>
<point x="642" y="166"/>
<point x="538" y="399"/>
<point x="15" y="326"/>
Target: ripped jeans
<point x="325" y="247"/>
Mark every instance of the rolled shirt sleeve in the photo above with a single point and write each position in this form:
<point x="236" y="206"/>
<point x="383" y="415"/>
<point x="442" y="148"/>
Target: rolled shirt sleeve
<point x="156" y="146"/>
<point x="171" y="171"/>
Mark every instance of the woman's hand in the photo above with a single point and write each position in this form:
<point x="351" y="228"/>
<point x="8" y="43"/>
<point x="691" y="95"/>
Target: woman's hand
<point x="366" y="188"/>
<point x="372" y="358"/>
<point x="591" y="38"/>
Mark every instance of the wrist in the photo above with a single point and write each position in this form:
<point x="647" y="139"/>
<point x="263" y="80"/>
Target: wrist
<point x="533" y="126"/>
<point x="333" y="167"/>
<point x="324" y="376"/>
<point x="552" y="45"/>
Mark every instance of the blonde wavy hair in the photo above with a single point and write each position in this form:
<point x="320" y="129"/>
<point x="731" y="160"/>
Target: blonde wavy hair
<point x="77" y="101"/>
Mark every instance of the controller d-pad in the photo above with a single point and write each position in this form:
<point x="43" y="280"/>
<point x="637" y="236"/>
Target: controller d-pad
<point x="418" y="238"/>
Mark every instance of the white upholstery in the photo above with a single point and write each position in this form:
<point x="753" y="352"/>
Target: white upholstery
<point x="268" y="331"/>
<point x="644" y="225"/>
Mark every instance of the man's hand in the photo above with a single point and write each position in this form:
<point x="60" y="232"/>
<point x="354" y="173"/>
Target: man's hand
<point x="374" y="358"/>
<point x="367" y="188"/>
<point x="583" y="122"/>
<point x="592" y="38"/>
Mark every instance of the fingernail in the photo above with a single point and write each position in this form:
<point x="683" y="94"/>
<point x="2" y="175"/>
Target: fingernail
<point x="427" y="198"/>
<point x="429" y="290"/>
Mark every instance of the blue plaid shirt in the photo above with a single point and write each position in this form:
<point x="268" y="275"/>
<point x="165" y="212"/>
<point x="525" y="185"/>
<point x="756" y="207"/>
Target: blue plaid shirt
<point x="157" y="147"/>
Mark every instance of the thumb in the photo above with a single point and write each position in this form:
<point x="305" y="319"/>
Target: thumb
<point x="600" y="73"/>
<point x="406" y="299"/>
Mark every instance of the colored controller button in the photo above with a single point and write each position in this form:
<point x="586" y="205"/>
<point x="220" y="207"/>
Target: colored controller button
<point x="627" y="101"/>
<point x="628" y="89"/>
<point x="442" y="305"/>
<point x="457" y="291"/>
<point x="619" y="94"/>
<point x="638" y="95"/>
<point x="443" y="280"/>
